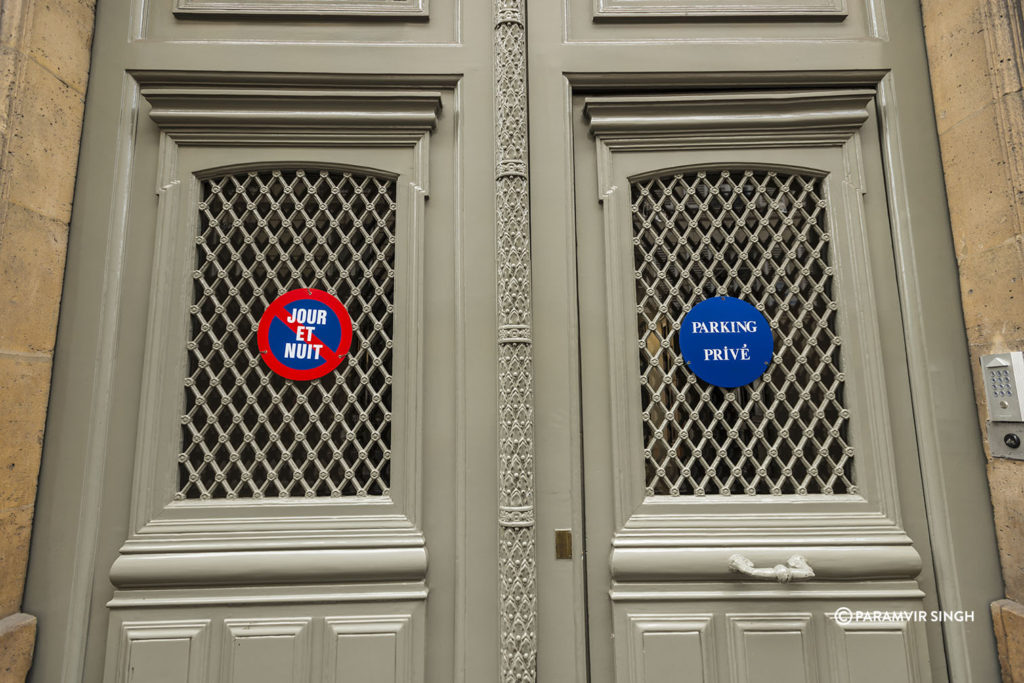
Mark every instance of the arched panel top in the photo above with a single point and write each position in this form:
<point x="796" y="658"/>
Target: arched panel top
<point x="318" y="166"/>
<point x="730" y="167"/>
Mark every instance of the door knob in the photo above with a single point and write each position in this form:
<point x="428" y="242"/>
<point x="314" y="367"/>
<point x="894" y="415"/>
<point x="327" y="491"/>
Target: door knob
<point x="795" y="569"/>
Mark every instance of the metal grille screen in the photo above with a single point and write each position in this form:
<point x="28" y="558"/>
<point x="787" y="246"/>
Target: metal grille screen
<point x="246" y="432"/>
<point x="763" y="237"/>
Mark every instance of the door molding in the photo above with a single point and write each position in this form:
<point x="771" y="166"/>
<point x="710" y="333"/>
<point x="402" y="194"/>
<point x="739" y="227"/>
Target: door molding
<point x="516" y="451"/>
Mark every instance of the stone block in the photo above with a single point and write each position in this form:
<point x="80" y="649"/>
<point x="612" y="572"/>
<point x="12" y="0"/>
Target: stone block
<point x="1008" y="619"/>
<point x="978" y="188"/>
<point x="45" y="129"/>
<point x="1011" y="112"/>
<point x="59" y="36"/>
<point x="24" y="384"/>
<point x="12" y="22"/>
<point x="992" y="290"/>
<point x="32" y="251"/>
<point x="957" y="59"/>
<point x="17" y="643"/>
<point x="9" y="62"/>
<point x="15" y="530"/>
<point x="1006" y="481"/>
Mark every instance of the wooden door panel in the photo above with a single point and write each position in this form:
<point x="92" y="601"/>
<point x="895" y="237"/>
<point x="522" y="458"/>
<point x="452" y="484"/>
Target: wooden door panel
<point x="171" y="651"/>
<point x="681" y="21"/>
<point x="718" y="638"/>
<point x="679" y="9"/>
<point x="365" y="643"/>
<point x="326" y="22"/>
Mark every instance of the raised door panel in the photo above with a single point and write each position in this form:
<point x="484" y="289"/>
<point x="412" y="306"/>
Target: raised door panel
<point x="360" y="641"/>
<point x="765" y="636"/>
<point x="266" y="651"/>
<point x="772" y="647"/>
<point x="283" y="27"/>
<point x="645" y="22"/>
<point x="353" y="8"/>
<point x="371" y="649"/>
<point x="671" y="647"/>
<point x="746" y="9"/>
<point x="163" y="652"/>
<point x="158" y="661"/>
<point x="878" y="651"/>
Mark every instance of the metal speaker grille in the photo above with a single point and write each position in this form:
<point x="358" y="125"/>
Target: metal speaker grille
<point x="247" y="432"/>
<point x="763" y="237"/>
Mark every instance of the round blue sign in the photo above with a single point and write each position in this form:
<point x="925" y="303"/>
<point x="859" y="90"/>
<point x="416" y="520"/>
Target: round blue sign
<point x="726" y="342"/>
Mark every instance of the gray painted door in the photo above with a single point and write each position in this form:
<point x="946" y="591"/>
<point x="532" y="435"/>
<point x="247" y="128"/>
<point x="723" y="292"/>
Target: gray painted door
<point x="203" y="519"/>
<point x="781" y="153"/>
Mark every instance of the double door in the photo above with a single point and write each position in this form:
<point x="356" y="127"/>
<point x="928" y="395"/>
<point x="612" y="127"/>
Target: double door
<point x="517" y="204"/>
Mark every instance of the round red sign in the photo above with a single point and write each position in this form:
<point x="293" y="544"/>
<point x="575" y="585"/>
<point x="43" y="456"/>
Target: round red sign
<point x="304" y="334"/>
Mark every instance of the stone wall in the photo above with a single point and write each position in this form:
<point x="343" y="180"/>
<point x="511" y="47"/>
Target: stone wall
<point x="976" y="59"/>
<point x="44" y="66"/>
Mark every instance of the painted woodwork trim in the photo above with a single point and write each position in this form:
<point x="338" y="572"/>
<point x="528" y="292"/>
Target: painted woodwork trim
<point x="626" y="593"/>
<point x="632" y="559"/>
<point x="954" y="549"/>
<point x="198" y="113"/>
<point x="410" y="596"/>
<point x="729" y="119"/>
<point x="239" y="568"/>
<point x="516" y="451"/>
<point x="746" y="9"/>
<point x="349" y="8"/>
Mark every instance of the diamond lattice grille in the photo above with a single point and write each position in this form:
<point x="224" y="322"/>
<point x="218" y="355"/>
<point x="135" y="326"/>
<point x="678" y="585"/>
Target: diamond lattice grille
<point x="247" y="432"/>
<point x="762" y="237"/>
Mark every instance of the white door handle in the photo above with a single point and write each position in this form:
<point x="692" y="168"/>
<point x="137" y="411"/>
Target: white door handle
<point x="795" y="569"/>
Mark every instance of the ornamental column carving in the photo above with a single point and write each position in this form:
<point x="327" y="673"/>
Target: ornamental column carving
<point x="516" y="554"/>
